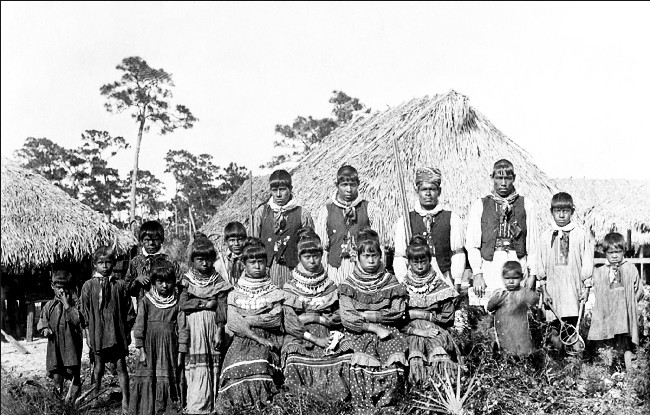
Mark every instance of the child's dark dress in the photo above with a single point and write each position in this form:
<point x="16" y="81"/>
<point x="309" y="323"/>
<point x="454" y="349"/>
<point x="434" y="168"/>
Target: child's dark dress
<point x="163" y="334"/>
<point x="65" y="343"/>
<point x="511" y="319"/>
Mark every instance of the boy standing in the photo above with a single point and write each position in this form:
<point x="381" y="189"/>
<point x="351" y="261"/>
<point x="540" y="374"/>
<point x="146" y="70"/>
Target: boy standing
<point x="231" y="266"/>
<point x="277" y="223"/>
<point x="339" y="221"/>
<point x="105" y="306"/>
<point x="151" y="237"/>
<point x="565" y="265"/>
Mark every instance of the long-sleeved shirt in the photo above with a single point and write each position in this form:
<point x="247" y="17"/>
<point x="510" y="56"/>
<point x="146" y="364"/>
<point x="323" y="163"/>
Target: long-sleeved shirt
<point x="141" y="265"/>
<point x="473" y="239"/>
<point x="150" y="315"/>
<point x="456" y="238"/>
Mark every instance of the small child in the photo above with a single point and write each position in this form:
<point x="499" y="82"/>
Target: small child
<point x="510" y="308"/>
<point x="105" y="306"/>
<point x="277" y="223"/>
<point x="231" y="267"/>
<point x="566" y="264"/>
<point x="61" y="323"/>
<point x="372" y="306"/>
<point x="617" y="289"/>
<point x="151" y="237"/>
<point x="203" y="300"/>
<point x="161" y="338"/>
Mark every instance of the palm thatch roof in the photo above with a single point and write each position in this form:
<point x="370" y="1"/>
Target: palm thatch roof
<point x="443" y="131"/>
<point x="612" y="205"/>
<point x="42" y="224"/>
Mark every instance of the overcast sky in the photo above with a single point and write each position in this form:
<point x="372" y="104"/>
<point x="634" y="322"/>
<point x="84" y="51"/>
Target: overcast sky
<point x="569" y="82"/>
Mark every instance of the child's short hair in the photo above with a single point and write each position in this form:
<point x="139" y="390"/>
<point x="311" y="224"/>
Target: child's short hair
<point x="153" y="229"/>
<point x="202" y="246"/>
<point x="368" y="241"/>
<point x="234" y="230"/>
<point x="346" y="174"/>
<point x="418" y="249"/>
<point x="162" y="269"/>
<point x="280" y="178"/>
<point x="503" y="167"/>
<point x="562" y="200"/>
<point x="253" y="249"/>
<point x="512" y="267"/>
<point x="104" y="251"/>
<point x="61" y="278"/>
<point x="309" y="242"/>
<point x="614" y="240"/>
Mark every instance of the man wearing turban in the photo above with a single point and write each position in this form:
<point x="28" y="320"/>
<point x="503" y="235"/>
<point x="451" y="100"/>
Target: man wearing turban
<point x="442" y="229"/>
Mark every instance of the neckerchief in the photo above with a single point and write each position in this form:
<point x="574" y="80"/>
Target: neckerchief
<point x="419" y="284"/>
<point x="564" y="239"/>
<point x="504" y="203"/>
<point x="310" y="282"/>
<point x="159" y="301"/>
<point x="614" y="274"/>
<point x="368" y="283"/>
<point x="349" y="209"/>
<point x="104" y="288"/>
<point x="280" y="213"/>
<point x="253" y="287"/>
<point x="428" y="216"/>
<point x="236" y="267"/>
<point x="196" y="279"/>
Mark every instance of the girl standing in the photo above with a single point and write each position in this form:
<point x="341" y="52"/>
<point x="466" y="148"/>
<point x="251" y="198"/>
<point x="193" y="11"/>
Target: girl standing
<point x="617" y="289"/>
<point x="161" y="338"/>
<point x="204" y="302"/>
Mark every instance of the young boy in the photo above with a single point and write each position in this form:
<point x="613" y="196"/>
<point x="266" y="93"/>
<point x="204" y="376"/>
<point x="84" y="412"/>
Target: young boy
<point x="510" y="308"/>
<point x="151" y="237"/>
<point x="61" y="323"/>
<point x="339" y="221"/>
<point x="277" y="223"/>
<point x="105" y="306"/>
<point x="231" y="267"/>
<point x="566" y="264"/>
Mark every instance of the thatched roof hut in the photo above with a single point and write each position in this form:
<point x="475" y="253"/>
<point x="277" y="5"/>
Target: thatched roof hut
<point x="612" y="205"/>
<point x="443" y="131"/>
<point x="42" y="224"/>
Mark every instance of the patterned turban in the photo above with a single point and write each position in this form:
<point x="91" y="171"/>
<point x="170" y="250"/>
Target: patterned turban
<point x="428" y="174"/>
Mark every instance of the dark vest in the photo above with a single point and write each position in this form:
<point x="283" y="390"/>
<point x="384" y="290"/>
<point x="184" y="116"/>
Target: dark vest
<point x="287" y="248"/>
<point x="439" y="238"/>
<point x="490" y="225"/>
<point x="337" y="230"/>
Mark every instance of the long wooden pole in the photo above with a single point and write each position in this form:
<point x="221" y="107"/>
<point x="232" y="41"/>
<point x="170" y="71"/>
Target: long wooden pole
<point x="402" y="191"/>
<point x="250" y="196"/>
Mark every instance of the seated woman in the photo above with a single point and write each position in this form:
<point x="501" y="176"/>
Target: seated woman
<point x="372" y="304"/>
<point x="322" y="370"/>
<point x="259" y="319"/>
<point x="430" y="312"/>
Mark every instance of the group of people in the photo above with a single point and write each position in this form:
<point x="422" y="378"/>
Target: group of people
<point x="310" y="304"/>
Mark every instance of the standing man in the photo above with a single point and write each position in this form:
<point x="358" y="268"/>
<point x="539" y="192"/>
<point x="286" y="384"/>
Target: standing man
<point x="442" y="229"/>
<point x="501" y="227"/>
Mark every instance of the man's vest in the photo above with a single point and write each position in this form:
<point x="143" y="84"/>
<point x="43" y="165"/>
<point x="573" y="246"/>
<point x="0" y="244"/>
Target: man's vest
<point x="337" y="230"/>
<point x="287" y="243"/>
<point x="490" y="226"/>
<point x="438" y="238"/>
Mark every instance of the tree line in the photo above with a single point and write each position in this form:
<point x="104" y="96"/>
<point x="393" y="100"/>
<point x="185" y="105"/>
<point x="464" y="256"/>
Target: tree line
<point x="145" y="93"/>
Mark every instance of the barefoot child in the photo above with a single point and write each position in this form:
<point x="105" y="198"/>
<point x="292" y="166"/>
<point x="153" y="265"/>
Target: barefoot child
<point x="617" y="290"/>
<point x="203" y="300"/>
<point x="372" y="304"/>
<point x="61" y="323"/>
<point x="231" y="267"/>
<point x="510" y="308"/>
<point x="565" y="266"/>
<point x="431" y="307"/>
<point x="161" y="338"/>
<point x="276" y="223"/>
<point x="259" y="320"/>
<point x="105" y="305"/>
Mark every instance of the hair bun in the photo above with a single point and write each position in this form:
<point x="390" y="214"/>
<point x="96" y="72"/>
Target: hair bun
<point x="367" y="233"/>
<point x="418" y="240"/>
<point x="305" y="232"/>
<point x="198" y="235"/>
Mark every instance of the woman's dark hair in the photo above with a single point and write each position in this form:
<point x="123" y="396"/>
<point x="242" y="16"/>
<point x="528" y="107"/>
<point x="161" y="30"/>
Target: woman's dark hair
<point x="309" y="242"/>
<point x="202" y="246"/>
<point x="153" y="229"/>
<point x="234" y="230"/>
<point x="162" y="269"/>
<point x="253" y="249"/>
<point x="614" y="240"/>
<point x="562" y="200"/>
<point x="418" y="248"/>
<point x="368" y="241"/>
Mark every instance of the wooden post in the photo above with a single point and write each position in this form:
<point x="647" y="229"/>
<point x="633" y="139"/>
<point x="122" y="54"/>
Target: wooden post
<point x="31" y="309"/>
<point x="629" y="240"/>
<point x="642" y="273"/>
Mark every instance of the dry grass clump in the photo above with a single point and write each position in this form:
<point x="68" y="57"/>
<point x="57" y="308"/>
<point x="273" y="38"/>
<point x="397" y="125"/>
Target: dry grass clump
<point x="30" y="397"/>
